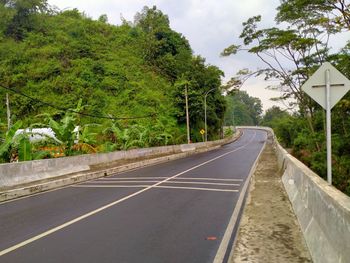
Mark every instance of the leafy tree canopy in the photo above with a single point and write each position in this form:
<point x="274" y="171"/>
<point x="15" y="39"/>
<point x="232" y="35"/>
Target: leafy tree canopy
<point x="291" y="52"/>
<point x="242" y="109"/>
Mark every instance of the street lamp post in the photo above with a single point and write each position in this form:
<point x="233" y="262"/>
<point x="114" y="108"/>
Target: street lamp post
<point x="233" y="119"/>
<point x="205" y="113"/>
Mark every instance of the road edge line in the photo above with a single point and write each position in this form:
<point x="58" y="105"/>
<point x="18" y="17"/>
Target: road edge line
<point x="222" y="250"/>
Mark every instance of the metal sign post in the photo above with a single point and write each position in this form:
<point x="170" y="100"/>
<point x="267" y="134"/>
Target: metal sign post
<point x="327" y="86"/>
<point x="202" y="133"/>
<point x="328" y="124"/>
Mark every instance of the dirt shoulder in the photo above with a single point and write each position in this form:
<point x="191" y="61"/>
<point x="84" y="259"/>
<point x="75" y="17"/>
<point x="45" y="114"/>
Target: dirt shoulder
<point x="269" y="230"/>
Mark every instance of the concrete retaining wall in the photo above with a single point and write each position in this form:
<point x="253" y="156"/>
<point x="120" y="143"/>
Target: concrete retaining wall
<point x="27" y="172"/>
<point x="322" y="211"/>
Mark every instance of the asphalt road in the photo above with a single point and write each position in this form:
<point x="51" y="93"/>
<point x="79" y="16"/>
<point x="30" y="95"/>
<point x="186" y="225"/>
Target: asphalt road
<point x="177" y="211"/>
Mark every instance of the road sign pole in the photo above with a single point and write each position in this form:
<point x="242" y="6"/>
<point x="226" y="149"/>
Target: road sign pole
<point x="318" y="87"/>
<point x="329" y="135"/>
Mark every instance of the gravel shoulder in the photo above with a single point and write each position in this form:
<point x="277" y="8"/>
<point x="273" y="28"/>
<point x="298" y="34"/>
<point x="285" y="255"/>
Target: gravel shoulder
<point x="269" y="230"/>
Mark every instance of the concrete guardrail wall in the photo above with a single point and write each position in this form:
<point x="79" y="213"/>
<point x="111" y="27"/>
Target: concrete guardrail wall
<point x="13" y="174"/>
<point x="323" y="211"/>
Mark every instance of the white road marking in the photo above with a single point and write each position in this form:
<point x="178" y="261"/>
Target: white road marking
<point x="121" y="181"/>
<point x="220" y="254"/>
<point x="159" y="186"/>
<point x="112" y="186"/>
<point x="169" y="182"/>
<point x="178" y="178"/>
<point x="210" y="179"/>
<point x="197" y="188"/>
<point x="130" y="178"/>
<point x="55" y="229"/>
<point x="203" y="183"/>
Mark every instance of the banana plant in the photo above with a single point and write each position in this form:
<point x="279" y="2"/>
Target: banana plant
<point x="64" y="129"/>
<point x="26" y="150"/>
<point x="140" y="136"/>
<point x="121" y="137"/>
<point x="9" y="140"/>
<point x="86" y="139"/>
<point x="164" y="129"/>
<point x="18" y="144"/>
<point x="164" y="137"/>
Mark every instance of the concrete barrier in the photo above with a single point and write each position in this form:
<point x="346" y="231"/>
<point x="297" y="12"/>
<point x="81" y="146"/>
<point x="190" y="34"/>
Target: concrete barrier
<point x="14" y="174"/>
<point x="322" y="211"/>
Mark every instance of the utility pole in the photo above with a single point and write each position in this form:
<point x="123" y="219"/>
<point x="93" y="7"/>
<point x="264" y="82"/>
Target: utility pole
<point x="187" y="117"/>
<point x="205" y="113"/>
<point x="8" y="112"/>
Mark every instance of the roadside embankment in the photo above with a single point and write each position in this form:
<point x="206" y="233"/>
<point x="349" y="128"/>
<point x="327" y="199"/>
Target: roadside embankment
<point x="24" y="178"/>
<point x="323" y="212"/>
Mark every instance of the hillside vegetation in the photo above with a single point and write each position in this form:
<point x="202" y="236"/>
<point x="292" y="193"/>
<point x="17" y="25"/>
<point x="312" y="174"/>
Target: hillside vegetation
<point x="122" y="85"/>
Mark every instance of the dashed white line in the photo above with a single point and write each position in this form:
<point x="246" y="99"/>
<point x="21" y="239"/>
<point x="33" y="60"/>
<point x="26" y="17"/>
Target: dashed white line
<point x="129" y="178"/>
<point x="210" y="179"/>
<point x="121" y="181"/>
<point x="168" y="182"/>
<point x="178" y="178"/>
<point x="159" y="186"/>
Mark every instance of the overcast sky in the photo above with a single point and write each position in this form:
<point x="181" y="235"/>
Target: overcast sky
<point x="209" y="25"/>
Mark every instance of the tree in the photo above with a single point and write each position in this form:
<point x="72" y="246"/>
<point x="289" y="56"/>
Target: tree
<point x="273" y="114"/>
<point x="152" y="20"/>
<point x="24" y="16"/>
<point x="331" y="14"/>
<point x="103" y="18"/>
<point x="291" y="53"/>
<point x="164" y="48"/>
<point x="242" y="109"/>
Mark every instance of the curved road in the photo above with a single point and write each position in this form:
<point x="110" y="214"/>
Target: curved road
<point x="177" y="211"/>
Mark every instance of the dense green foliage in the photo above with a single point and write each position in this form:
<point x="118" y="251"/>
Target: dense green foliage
<point x="310" y="147"/>
<point x="126" y="77"/>
<point x="242" y="109"/>
<point x="291" y="53"/>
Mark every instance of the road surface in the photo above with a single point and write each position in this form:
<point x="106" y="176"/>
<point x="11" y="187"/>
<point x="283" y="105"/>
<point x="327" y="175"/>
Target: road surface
<point x="179" y="211"/>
